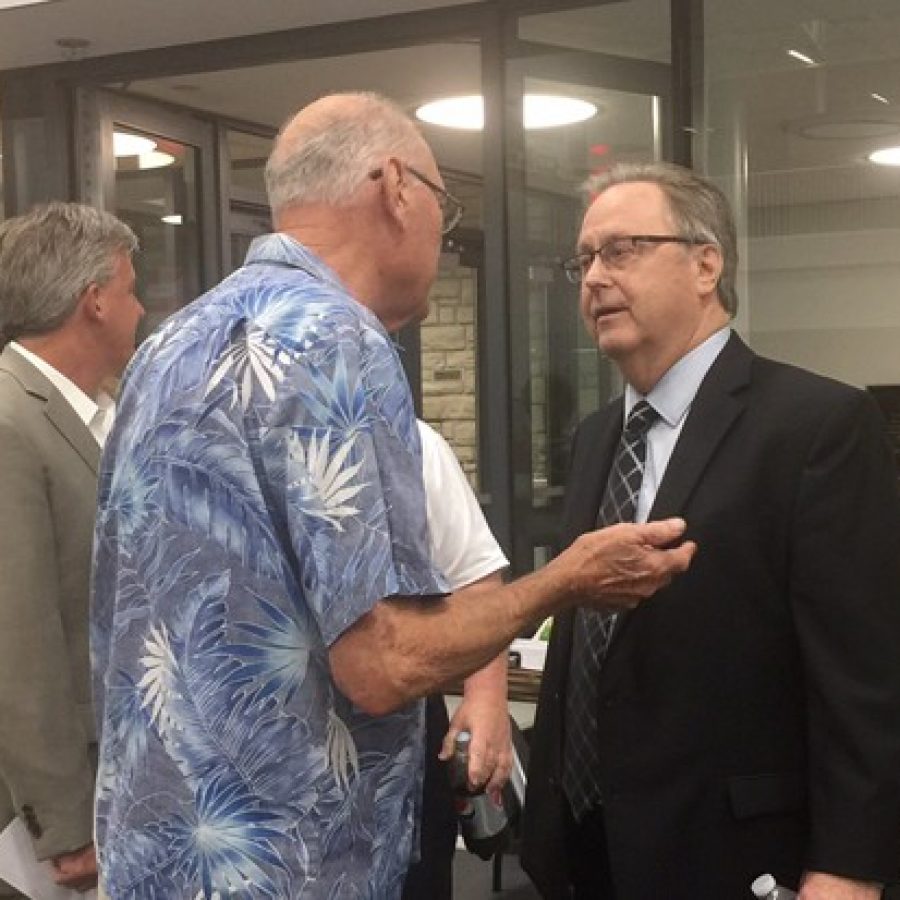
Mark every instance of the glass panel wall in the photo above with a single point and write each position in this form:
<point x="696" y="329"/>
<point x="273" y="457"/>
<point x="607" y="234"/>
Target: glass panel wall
<point x="156" y="194"/>
<point x="248" y="208"/>
<point x="247" y="154"/>
<point x="616" y="78"/>
<point x="2" y="201"/>
<point x="797" y="99"/>
<point x="450" y="336"/>
<point x="790" y="100"/>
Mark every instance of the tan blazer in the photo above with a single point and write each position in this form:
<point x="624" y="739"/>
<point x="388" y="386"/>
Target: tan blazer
<point x="48" y="484"/>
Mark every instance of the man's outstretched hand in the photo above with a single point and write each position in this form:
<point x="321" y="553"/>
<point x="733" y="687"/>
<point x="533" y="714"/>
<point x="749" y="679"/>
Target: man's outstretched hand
<point x="617" y="567"/>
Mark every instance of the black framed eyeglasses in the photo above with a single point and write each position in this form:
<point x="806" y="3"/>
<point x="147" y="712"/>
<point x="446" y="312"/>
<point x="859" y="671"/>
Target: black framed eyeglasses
<point x="451" y="209"/>
<point x="618" y="252"/>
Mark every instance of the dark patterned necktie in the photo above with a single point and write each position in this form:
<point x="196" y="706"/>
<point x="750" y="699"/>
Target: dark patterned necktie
<point x="593" y="628"/>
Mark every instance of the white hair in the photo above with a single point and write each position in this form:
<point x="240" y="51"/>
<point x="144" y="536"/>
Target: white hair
<point x="323" y="158"/>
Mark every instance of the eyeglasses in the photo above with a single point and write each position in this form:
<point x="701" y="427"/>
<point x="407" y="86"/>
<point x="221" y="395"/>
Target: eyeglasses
<point x="617" y="253"/>
<point x="451" y="209"/>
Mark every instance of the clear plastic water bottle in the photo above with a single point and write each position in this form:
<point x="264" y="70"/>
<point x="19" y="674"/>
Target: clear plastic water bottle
<point x="766" y="888"/>
<point x="483" y="825"/>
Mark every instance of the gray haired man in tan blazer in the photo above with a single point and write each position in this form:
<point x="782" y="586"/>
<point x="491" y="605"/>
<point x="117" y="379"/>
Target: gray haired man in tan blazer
<point x="68" y="318"/>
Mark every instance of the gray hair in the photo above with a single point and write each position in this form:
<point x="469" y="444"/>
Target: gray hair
<point x="323" y="158"/>
<point x="48" y="258"/>
<point x="700" y="211"/>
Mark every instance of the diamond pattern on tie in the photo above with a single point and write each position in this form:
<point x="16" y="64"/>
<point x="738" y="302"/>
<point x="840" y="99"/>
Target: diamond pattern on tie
<point x="593" y="629"/>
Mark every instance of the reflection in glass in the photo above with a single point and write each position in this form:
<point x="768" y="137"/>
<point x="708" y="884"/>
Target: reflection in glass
<point x="2" y="200"/>
<point x="247" y="155"/>
<point x="248" y="207"/>
<point x="818" y="222"/>
<point x="156" y="194"/>
<point x="568" y="378"/>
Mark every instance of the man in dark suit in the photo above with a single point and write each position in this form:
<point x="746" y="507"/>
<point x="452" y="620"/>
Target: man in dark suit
<point x="69" y="314"/>
<point x="746" y="719"/>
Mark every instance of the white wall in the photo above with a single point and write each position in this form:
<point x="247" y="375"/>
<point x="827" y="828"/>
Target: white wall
<point x="828" y="302"/>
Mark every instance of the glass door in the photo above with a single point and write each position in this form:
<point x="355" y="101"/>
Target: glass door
<point x="244" y="155"/>
<point x="153" y="168"/>
<point x="575" y="106"/>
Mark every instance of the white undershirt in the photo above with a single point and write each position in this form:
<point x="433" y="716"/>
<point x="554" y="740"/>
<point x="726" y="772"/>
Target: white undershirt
<point x="461" y="543"/>
<point x="97" y="416"/>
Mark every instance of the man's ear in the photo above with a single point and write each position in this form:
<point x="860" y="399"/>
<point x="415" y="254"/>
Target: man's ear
<point x="91" y="303"/>
<point x="394" y="190"/>
<point x="709" y="268"/>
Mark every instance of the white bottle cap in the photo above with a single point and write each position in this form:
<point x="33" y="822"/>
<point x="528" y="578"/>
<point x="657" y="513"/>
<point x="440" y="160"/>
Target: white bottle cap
<point x="763" y="886"/>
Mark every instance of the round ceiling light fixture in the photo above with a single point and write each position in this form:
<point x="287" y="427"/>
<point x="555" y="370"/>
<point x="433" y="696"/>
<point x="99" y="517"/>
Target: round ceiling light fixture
<point x="125" y="144"/>
<point x="538" y="111"/>
<point x="155" y="159"/>
<point x="888" y="156"/>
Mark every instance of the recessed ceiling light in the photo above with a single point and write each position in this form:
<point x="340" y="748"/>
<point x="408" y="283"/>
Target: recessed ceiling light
<point x="549" y="111"/>
<point x="125" y="144"/>
<point x="806" y="60"/>
<point x="539" y="111"/>
<point x="889" y="156"/>
<point x="466" y="113"/>
<point x="155" y="159"/>
<point x="173" y="219"/>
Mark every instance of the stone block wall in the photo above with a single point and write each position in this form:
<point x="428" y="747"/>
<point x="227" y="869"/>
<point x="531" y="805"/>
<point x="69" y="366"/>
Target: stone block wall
<point x="449" y="354"/>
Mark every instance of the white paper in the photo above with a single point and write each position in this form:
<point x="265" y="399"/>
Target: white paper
<point x="20" y="868"/>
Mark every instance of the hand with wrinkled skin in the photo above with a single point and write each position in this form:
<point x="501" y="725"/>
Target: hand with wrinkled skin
<point x="403" y="649"/>
<point x="484" y="714"/>
<point x="617" y="567"/>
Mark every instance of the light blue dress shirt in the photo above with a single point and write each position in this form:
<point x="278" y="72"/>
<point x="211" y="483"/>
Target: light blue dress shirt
<point x="671" y="397"/>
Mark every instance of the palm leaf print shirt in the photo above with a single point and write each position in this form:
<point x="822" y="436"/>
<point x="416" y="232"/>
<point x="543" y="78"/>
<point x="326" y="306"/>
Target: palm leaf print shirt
<point x="260" y="492"/>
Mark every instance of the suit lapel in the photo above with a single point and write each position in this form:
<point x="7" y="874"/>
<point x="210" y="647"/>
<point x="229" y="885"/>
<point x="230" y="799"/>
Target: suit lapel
<point x="718" y="404"/>
<point x="716" y="407"/>
<point x="65" y="420"/>
<point x="56" y="408"/>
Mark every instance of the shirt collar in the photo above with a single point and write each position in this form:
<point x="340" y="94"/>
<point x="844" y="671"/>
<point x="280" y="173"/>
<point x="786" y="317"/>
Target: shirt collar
<point x="673" y="394"/>
<point x="282" y="250"/>
<point x="84" y="406"/>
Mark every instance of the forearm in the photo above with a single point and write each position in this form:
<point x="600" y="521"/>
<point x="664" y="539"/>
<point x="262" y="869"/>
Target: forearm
<point x="417" y="646"/>
<point x="403" y="649"/>
<point x="488" y="684"/>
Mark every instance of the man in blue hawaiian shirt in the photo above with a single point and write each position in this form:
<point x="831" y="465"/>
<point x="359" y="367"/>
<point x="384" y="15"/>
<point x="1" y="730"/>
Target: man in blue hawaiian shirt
<point x="265" y="612"/>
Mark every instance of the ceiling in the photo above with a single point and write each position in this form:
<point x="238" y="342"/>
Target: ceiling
<point x="809" y="125"/>
<point x="28" y="34"/>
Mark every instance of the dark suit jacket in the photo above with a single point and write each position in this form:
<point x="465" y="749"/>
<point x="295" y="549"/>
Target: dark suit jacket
<point x="48" y="484"/>
<point x="750" y="712"/>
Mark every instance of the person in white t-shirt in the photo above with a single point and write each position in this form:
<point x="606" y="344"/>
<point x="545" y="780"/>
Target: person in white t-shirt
<point x="464" y="549"/>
